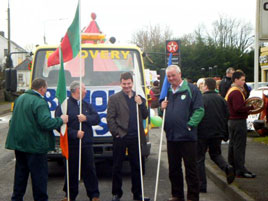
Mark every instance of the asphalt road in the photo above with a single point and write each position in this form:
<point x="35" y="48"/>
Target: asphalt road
<point x="56" y="175"/>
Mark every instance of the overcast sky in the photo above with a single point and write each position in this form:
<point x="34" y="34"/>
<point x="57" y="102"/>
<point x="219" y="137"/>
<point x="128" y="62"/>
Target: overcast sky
<point x="32" y="19"/>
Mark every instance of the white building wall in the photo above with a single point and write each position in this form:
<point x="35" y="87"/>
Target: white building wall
<point x="16" y="58"/>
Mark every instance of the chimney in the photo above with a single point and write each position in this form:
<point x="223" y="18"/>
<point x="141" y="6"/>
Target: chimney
<point x="2" y="33"/>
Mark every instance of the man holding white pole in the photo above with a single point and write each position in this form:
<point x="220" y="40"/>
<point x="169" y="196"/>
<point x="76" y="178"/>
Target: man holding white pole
<point x="88" y="117"/>
<point x="184" y="110"/>
<point x="122" y="122"/>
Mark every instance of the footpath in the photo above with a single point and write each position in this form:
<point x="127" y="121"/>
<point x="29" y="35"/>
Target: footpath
<point x="4" y="107"/>
<point x="244" y="189"/>
<point x="241" y="189"/>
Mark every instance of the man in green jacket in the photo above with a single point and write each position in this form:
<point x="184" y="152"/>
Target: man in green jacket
<point x="30" y="135"/>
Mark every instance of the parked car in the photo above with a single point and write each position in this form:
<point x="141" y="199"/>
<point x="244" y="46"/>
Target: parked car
<point x="263" y="89"/>
<point x="260" y="84"/>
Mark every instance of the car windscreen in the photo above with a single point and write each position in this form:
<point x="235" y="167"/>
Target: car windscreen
<point x="97" y="67"/>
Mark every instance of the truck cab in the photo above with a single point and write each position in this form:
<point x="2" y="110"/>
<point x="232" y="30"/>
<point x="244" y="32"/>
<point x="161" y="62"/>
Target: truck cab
<point x="101" y="67"/>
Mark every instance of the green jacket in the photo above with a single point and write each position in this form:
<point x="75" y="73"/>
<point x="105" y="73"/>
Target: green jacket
<point x="31" y="125"/>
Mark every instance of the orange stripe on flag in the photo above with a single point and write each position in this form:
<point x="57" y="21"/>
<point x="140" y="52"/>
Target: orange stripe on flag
<point x="64" y="144"/>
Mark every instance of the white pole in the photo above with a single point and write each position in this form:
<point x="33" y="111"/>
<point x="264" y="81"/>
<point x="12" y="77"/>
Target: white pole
<point x="139" y="138"/>
<point x="64" y="128"/>
<point x="139" y="145"/>
<point x="256" y="52"/>
<point x="159" y="154"/>
<point x="80" y="80"/>
<point x="68" y="185"/>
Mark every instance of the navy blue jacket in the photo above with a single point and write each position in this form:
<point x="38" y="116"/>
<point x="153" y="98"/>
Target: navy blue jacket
<point x="185" y="109"/>
<point x="73" y="123"/>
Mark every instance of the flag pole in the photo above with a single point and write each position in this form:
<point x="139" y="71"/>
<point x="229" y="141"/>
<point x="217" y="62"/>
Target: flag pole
<point x="68" y="184"/>
<point x="64" y="127"/>
<point x="80" y="98"/>
<point x="163" y="94"/>
<point x="140" y="156"/>
<point x="159" y="154"/>
<point x="139" y="143"/>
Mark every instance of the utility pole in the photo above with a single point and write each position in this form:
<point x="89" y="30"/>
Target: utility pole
<point x="8" y="28"/>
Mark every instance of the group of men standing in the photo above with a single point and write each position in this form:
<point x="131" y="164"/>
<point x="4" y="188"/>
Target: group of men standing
<point x="193" y="123"/>
<point x="30" y="135"/>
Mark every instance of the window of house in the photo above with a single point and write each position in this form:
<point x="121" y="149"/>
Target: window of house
<point x="20" y="78"/>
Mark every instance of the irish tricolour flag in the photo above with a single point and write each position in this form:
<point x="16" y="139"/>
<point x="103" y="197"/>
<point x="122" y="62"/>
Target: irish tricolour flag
<point x="68" y="50"/>
<point x="61" y="94"/>
<point x="70" y="44"/>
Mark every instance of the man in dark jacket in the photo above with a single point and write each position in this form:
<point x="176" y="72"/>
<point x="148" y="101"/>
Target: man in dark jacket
<point x="88" y="118"/>
<point x="211" y="130"/>
<point x="226" y="82"/>
<point x="184" y="111"/>
<point x="30" y="135"/>
<point x="122" y="123"/>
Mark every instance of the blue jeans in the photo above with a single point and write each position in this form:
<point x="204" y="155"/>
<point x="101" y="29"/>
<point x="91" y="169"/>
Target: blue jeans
<point x="36" y="165"/>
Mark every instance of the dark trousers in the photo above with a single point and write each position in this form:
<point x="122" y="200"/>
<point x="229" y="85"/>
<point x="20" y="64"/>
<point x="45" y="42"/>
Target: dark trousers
<point x="36" y="165"/>
<point x="88" y="172"/>
<point x="237" y="144"/>
<point x="186" y="151"/>
<point x="214" y="149"/>
<point x="119" y="150"/>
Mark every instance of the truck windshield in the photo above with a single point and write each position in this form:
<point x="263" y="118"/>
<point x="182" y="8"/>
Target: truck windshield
<point x="99" y="67"/>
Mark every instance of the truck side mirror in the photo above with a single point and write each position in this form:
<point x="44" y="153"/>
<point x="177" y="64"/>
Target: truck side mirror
<point x="11" y="79"/>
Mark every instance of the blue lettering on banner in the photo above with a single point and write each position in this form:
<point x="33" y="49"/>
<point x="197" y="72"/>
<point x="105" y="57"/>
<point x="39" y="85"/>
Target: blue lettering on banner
<point x="98" y="99"/>
<point x="102" y="124"/>
<point x="99" y="95"/>
<point x="50" y="97"/>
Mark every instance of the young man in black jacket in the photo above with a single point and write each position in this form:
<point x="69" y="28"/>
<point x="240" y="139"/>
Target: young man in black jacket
<point x="122" y="122"/>
<point x="211" y="130"/>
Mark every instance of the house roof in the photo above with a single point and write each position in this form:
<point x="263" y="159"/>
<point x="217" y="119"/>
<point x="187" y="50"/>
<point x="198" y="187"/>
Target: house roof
<point x="15" y="44"/>
<point x="24" y="65"/>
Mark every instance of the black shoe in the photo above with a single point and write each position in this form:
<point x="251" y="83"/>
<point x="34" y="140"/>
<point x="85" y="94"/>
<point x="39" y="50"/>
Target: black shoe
<point x="252" y="174"/>
<point x="246" y="175"/>
<point x="115" y="198"/>
<point x="140" y="199"/>
<point x="230" y="174"/>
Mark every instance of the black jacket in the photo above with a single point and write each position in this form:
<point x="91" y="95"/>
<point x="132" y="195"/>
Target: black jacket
<point x="214" y="123"/>
<point x="225" y="84"/>
<point x="73" y="123"/>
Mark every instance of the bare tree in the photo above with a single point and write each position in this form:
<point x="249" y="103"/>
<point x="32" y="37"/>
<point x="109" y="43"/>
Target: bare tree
<point x="29" y="47"/>
<point x="231" y="33"/>
<point x="151" y="36"/>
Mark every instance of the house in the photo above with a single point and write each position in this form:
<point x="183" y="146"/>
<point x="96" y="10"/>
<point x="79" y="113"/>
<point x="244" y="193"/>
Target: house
<point x="24" y="74"/>
<point x="16" y="58"/>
